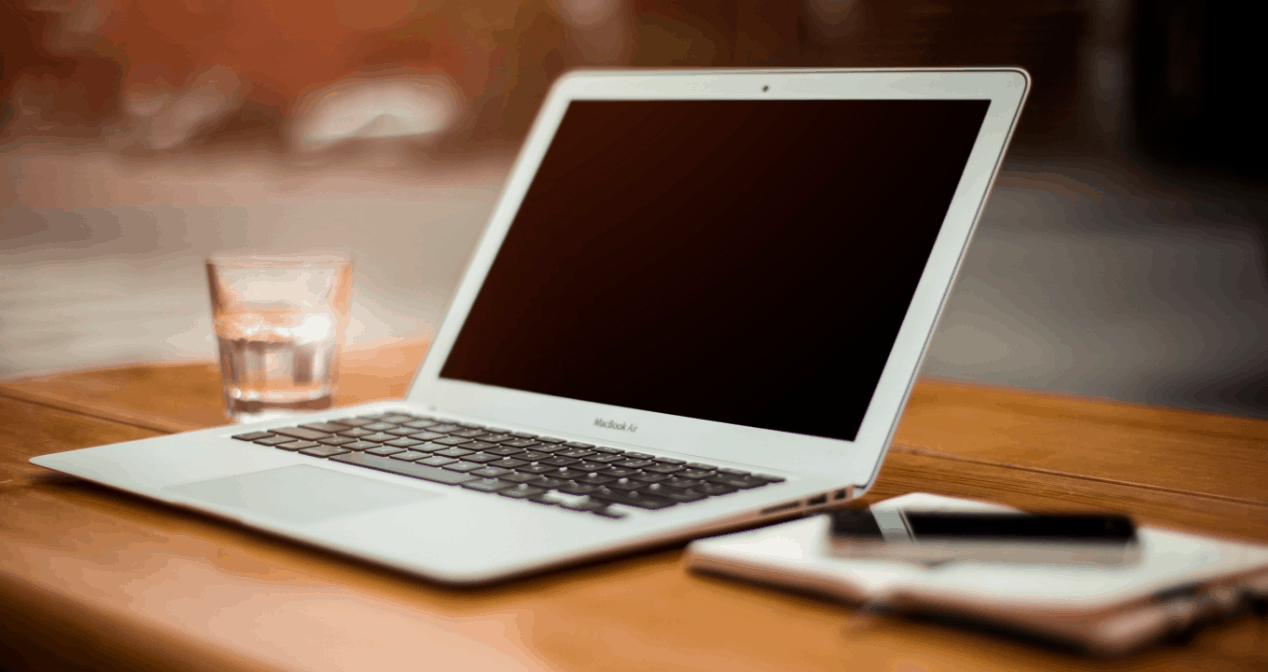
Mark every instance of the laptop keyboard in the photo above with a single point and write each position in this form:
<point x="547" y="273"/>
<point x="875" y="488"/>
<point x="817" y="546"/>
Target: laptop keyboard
<point x="576" y="476"/>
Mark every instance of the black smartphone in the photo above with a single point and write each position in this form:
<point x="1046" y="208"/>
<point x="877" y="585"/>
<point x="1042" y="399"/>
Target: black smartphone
<point x="938" y="536"/>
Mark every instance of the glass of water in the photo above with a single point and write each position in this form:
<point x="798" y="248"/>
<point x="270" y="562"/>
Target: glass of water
<point x="280" y="319"/>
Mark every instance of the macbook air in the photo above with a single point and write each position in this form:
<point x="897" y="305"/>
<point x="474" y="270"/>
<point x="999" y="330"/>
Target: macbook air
<point x="699" y="303"/>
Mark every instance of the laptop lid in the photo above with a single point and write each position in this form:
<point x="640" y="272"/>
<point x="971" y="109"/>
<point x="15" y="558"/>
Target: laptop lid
<point x="737" y="265"/>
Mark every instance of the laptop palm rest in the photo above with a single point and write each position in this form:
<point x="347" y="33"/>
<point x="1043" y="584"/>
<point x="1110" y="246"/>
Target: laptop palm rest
<point x="300" y="494"/>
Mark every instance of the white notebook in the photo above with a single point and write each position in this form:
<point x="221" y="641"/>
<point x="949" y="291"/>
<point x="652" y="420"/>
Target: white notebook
<point x="1179" y="580"/>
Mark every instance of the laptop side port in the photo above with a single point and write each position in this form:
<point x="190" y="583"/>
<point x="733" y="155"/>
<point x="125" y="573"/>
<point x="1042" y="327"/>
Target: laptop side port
<point x="817" y="501"/>
<point x="781" y="507"/>
<point x="839" y="495"/>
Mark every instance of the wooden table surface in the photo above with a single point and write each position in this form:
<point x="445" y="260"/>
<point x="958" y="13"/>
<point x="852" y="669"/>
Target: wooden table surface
<point x="91" y="578"/>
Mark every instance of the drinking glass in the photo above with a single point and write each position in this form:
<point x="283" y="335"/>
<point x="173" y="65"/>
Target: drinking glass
<point x="280" y="319"/>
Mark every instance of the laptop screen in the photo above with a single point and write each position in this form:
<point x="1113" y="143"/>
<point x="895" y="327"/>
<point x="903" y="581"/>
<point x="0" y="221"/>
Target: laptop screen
<point x="747" y="262"/>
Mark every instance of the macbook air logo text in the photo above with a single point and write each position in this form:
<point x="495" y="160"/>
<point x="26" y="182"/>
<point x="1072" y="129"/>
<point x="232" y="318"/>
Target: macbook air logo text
<point x="613" y="424"/>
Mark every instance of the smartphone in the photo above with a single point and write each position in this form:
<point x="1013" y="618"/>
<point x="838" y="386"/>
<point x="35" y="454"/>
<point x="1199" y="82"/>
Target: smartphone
<point x="940" y="536"/>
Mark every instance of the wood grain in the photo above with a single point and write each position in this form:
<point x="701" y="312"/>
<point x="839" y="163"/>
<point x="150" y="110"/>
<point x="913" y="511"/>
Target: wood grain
<point x="91" y="578"/>
<point x="132" y="394"/>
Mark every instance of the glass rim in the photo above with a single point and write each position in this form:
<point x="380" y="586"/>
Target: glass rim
<point x="274" y="257"/>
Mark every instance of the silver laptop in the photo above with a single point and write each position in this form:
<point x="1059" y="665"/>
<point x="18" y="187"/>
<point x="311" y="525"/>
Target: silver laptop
<point x="700" y="303"/>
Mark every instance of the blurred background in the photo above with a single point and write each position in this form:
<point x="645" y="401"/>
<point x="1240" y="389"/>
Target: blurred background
<point x="1122" y="253"/>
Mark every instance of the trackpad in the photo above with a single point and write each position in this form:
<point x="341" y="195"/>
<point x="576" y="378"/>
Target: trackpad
<point x="301" y="493"/>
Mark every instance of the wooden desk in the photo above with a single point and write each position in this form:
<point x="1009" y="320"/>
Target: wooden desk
<point x="91" y="578"/>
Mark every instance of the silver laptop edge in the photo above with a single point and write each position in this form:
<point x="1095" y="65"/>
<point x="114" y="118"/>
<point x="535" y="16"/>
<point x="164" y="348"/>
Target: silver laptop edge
<point x="465" y="537"/>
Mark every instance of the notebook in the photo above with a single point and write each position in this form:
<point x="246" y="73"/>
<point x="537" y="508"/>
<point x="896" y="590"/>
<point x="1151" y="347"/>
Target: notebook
<point x="709" y="289"/>
<point x="1180" y="582"/>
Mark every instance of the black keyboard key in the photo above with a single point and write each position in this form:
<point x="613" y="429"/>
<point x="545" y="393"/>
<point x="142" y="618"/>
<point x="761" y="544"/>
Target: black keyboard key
<point x="327" y="427"/>
<point x="384" y="450"/>
<point x="662" y="468"/>
<point x="649" y="477"/>
<point x="379" y="426"/>
<point x="453" y="452"/>
<point x="661" y="490"/>
<point x="362" y="445"/>
<point x="513" y="476"/>
<point x="575" y="452"/>
<point x="732" y="472"/>
<point x="715" y="489"/>
<point x="401" y="431"/>
<point x="297" y="445"/>
<point x="426" y="436"/>
<point x="559" y="461"/>
<point x="413" y="469"/>
<point x="421" y="424"/>
<point x="575" y="488"/>
<point x="379" y="437"/>
<point x="437" y="461"/>
<point x="491" y="472"/>
<point x="403" y="442"/>
<point x="770" y="479"/>
<point x="626" y="484"/>
<point x="638" y="456"/>
<point x="336" y="440"/>
<point x="535" y="468"/>
<point x="354" y="422"/>
<point x="606" y="449"/>
<point x="453" y="440"/>
<point x="324" y="451"/>
<point x="741" y="482"/>
<point x="468" y="433"/>
<point x="409" y="456"/>
<point x="446" y="428"/>
<point x="252" y="436"/>
<point x="481" y="457"/>
<point x="697" y="465"/>
<point x="520" y="443"/>
<point x="463" y="465"/>
<point x="681" y="483"/>
<point x="493" y="437"/>
<point x="670" y="460"/>
<point x="521" y="491"/>
<point x="301" y="433"/>
<point x="683" y="496"/>
<point x="356" y="432"/>
<point x="547" y="482"/>
<point x="396" y="418"/>
<point x="478" y="445"/>
<point x="586" y="465"/>
<point x="508" y="463"/>
<point x="504" y="451"/>
<point x="526" y="435"/>
<point x="595" y="479"/>
<point x="619" y="472"/>
<point x="578" y="444"/>
<point x="605" y="458"/>
<point x="487" y="484"/>
<point x="632" y="498"/>
<point x="566" y="472"/>
<point x="273" y="440"/>
<point x="529" y="455"/>
<point x="633" y="464"/>
<point x="691" y="472"/>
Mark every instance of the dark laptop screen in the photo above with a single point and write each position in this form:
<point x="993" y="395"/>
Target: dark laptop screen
<point x="748" y="262"/>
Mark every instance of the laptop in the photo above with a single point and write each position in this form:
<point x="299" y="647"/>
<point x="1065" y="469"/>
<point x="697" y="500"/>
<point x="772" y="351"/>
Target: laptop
<point x="700" y="303"/>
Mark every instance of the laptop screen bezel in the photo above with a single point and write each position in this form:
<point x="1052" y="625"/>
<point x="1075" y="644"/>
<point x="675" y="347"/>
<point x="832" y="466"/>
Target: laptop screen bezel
<point x="857" y="461"/>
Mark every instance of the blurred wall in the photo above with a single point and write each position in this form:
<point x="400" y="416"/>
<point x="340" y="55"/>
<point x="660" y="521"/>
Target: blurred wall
<point x="1121" y="254"/>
